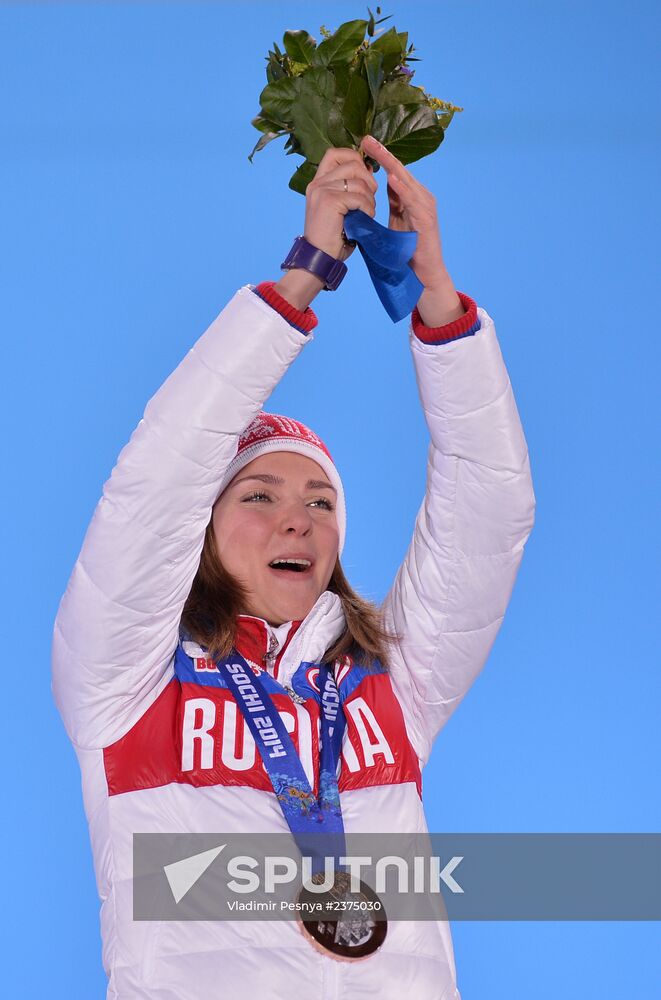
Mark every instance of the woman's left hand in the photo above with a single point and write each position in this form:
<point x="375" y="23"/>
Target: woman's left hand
<point x="412" y="207"/>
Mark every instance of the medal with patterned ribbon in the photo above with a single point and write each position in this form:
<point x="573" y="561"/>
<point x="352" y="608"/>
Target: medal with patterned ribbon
<point x="352" y="924"/>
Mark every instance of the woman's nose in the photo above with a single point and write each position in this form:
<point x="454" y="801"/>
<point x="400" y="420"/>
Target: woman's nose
<point x="296" y="519"/>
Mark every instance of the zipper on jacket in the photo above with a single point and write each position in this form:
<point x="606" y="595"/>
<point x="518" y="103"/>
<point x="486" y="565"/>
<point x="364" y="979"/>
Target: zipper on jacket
<point x="269" y="659"/>
<point x="271" y="652"/>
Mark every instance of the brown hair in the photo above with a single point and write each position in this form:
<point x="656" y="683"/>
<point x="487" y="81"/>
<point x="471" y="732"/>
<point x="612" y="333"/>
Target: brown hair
<point x="217" y="599"/>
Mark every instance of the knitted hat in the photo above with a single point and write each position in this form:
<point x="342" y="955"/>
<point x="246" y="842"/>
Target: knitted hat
<point x="270" y="432"/>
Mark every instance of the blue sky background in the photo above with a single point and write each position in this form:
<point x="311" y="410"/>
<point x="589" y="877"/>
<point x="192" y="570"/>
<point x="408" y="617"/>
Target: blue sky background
<point x="130" y="215"/>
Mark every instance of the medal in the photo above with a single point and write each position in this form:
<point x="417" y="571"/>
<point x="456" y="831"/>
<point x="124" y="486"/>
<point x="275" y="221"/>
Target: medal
<point x="350" y="925"/>
<point x="346" y="925"/>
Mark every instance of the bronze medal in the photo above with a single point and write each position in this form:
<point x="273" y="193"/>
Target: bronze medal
<point x="345" y="925"/>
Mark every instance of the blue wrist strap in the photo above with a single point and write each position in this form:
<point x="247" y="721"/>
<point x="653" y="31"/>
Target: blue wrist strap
<point x="387" y="253"/>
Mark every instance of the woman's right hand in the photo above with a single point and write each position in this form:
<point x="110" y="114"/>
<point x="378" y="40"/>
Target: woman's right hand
<point x="342" y="182"/>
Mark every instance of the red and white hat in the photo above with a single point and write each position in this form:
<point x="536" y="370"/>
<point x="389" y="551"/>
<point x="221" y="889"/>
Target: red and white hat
<point x="272" y="432"/>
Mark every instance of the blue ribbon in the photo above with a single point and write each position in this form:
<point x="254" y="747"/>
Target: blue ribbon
<point x="387" y="253"/>
<point x="307" y="816"/>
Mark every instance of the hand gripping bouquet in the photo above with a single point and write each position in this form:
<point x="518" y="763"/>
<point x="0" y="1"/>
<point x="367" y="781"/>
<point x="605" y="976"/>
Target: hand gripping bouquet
<point x="355" y="82"/>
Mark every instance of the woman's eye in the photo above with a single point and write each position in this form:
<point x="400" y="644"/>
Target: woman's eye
<point x="325" y="503"/>
<point x="258" y="495"/>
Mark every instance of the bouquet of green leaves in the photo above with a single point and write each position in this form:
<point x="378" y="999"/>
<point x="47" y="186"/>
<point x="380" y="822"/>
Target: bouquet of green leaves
<point x="355" y="82"/>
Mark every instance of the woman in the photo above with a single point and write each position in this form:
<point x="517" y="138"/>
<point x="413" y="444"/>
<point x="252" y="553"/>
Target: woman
<point x="188" y="565"/>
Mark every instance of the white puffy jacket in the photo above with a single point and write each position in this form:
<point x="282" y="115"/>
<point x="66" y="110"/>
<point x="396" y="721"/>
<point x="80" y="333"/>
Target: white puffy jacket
<point x="123" y="704"/>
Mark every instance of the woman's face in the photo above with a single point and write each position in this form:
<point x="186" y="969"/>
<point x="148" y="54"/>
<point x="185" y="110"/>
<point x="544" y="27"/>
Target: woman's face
<point x="280" y="506"/>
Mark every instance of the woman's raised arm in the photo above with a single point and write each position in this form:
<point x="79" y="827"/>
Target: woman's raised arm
<point x="117" y="625"/>
<point x="450" y="594"/>
<point x="118" y="621"/>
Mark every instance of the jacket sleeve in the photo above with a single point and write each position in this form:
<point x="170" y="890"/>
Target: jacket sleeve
<point x="117" y="625"/>
<point x="450" y="594"/>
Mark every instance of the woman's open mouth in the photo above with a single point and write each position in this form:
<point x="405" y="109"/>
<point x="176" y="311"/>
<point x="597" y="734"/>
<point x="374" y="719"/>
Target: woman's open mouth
<point x="293" y="567"/>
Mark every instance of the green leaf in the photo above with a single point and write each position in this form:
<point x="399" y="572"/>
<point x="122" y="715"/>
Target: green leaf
<point x="343" y="74"/>
<point x="265" y="124"/>
<point x="356" y="106"/>
<point x="320" y="80"/>
<point x="299" y="45"/>
<point x="445" y="119"/>
<point x="292" y="145"/>
<point x="264" y="141"/>
<point x="277" y="98"/>
<point x="337" y="132"/>
<point x="311" y="114"/>
<point x="394" y="122"/>
<point x="342" y="45"/>
<point x="372" y="23"/>
<point x="373" y="64"/>
<point x="417" y="144"/>
<point x="302" y="177"/>
<point x="274" y="70"/>
<point x="398" y="92"/>
<point x="409" y="132"/>
<point x="390" y="45"/>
